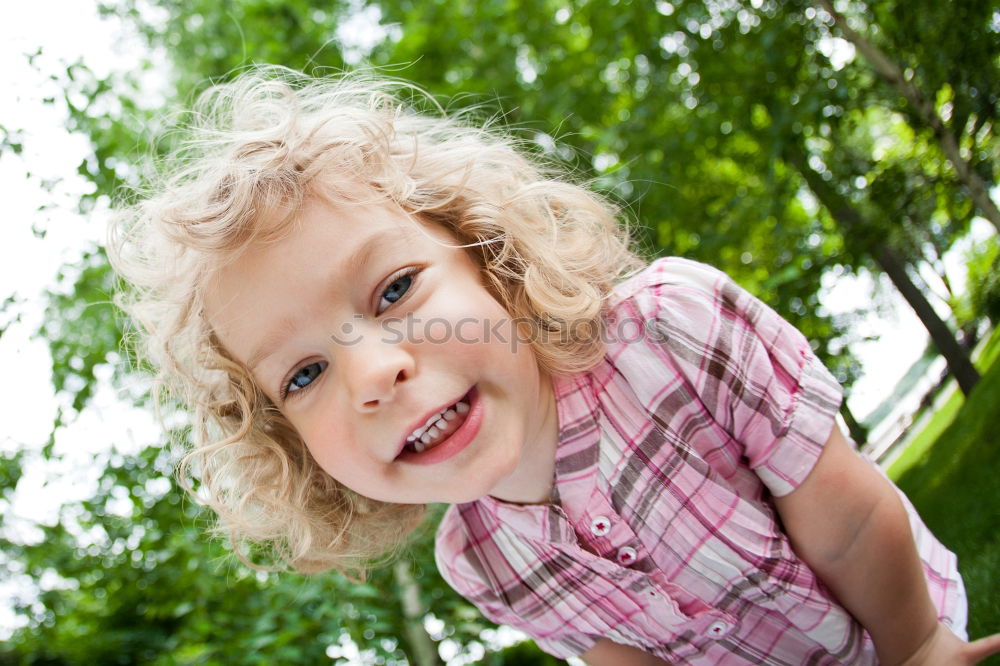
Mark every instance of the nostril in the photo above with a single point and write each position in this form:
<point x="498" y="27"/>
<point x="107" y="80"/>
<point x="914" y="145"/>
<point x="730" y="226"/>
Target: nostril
<point x="375" y="387"/>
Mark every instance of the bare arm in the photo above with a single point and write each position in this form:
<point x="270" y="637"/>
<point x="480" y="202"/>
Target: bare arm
<point x="609" y="653"/>
<point x="847" y="522"/>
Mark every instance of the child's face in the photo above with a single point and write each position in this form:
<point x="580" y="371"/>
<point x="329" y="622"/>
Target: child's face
<point x="360" y="327"/>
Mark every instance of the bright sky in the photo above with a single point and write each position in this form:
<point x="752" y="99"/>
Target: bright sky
<point x="28" y="264"/>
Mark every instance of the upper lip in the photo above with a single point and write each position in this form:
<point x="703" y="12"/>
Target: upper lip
<point x="417" y="423"/>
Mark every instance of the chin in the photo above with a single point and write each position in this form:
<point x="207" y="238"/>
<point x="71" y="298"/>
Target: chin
<point x="501" y="474"/>
<point x="467" y="497"/>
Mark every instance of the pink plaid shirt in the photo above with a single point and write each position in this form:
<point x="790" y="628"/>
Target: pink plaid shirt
<point x="661" y="533"/>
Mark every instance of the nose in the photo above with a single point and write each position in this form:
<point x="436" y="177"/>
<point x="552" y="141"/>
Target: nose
<point x="374" y="369"/>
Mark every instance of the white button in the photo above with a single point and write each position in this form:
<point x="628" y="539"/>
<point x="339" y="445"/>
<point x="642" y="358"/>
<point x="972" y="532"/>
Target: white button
<point x="718" y="629"/>
<point x="600" y="526"/>
<point x="626" y="555"/>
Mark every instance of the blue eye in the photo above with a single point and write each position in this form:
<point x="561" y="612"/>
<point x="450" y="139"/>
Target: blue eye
<point x="302" y="378"/>
<point x="395" y="291"/>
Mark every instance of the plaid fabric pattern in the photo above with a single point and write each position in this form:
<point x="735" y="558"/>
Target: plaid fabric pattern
<point x="660" y="533"/>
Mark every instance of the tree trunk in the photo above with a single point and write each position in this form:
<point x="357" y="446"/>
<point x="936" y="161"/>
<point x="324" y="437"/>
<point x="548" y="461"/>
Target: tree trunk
<point x="958" y="359"/>
<point x="850" y="219"/>
<point x="858" y="431"/>
<point x="422" y="649"/>
<point x="889" y="70"/>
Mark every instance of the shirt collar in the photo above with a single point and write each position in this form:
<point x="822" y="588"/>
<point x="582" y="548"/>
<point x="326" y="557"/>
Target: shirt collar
<point x="575" y="468"/>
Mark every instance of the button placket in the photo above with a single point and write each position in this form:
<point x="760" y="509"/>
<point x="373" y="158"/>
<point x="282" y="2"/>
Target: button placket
<point x="600" y="526"/>
<point x="606" y="534"/>
<point x="627" y="556"/>
<point x="718" y="629"/>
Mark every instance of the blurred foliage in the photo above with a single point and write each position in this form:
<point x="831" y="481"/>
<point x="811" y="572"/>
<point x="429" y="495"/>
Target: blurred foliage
<point x="138" y="583"/>
<point x="982" y="298"/>
<point x="82" y="326"/>
<point x="704" y="120"/>
<point x="11" y="140"/>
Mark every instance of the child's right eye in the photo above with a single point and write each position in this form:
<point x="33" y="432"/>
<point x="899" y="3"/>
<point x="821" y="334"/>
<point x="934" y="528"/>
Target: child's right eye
<point x="302" y="378"/>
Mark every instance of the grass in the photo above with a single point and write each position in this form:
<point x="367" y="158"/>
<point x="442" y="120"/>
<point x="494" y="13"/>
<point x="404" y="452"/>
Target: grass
<point x="955" y="485"/>
<point x="922" y="442"/>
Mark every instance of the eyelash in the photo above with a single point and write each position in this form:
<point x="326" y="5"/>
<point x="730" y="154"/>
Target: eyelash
<point x="285" y="393"/>
<point x="410" y="272"/>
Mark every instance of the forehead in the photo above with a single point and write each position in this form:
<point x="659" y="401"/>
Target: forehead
<point x="325" y="245"/>
<point x="325" y="230"/>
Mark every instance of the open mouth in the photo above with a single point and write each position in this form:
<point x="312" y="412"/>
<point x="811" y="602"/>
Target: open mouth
<point x="439" y="426"/>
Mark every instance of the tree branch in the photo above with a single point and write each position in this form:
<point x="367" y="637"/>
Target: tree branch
<point x="924" y="107"/>
<point x="850" y="219"/>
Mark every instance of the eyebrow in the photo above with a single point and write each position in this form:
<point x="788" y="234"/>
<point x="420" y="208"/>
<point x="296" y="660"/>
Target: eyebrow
<point x="354" y="266"/>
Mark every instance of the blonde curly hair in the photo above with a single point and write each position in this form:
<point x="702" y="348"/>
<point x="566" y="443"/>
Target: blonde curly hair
<point x="550" y="252"/>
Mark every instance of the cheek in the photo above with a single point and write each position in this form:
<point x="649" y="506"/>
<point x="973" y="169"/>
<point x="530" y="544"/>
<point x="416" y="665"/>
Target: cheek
<point x="336" y="461"/>
<point x="327" y="442"/>
<point x="441" y="331"/>
<point x="319" y="448"/>
<point x="467" y="322"/>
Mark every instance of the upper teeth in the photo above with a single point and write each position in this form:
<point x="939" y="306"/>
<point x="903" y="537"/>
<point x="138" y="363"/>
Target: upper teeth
<point x="436" y="423"/>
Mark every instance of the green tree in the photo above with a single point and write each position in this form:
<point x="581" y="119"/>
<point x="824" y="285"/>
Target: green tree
<point x="916" y="29"/>
<point x="729" y="132"/>
<point x="725" y="104"/>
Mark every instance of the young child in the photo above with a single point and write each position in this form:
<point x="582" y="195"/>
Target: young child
<point x="370" y="309"/>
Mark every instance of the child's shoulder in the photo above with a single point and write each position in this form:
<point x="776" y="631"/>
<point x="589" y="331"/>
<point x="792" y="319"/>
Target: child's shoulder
<point x="674" y="282"/>
<point x="673" y="272"/>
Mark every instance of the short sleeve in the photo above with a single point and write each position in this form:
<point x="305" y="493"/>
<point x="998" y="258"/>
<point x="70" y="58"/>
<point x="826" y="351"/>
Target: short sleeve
<point x="754" y="372"/>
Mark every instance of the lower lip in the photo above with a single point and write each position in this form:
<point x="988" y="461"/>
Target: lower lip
<point x="457" y="441"/>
